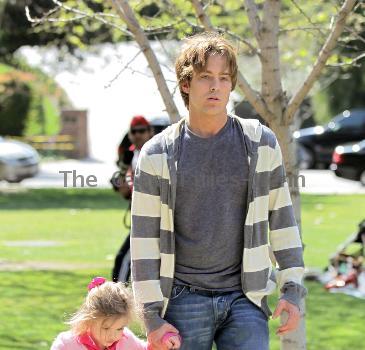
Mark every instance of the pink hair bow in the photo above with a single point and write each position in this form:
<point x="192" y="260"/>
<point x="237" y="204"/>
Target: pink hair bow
<point x="97" y="281"/>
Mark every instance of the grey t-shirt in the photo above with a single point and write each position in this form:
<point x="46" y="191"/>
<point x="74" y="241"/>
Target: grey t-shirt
<point x="210" y="208"/>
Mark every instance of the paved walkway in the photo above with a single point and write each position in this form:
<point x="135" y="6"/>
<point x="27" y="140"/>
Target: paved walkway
<point x="68" y="174"/>
<point x="53" y="175"/>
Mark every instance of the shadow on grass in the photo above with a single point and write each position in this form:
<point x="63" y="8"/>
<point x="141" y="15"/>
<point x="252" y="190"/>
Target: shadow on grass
<point x="63" y="199"/>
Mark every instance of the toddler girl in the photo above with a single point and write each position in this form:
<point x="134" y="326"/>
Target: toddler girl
<point x="101" y="322"/>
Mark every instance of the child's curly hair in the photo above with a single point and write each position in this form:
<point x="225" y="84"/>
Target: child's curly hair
<point x="110" y="299"/>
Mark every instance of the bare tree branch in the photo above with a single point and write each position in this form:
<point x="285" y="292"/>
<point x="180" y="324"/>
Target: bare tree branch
<point x="350" y="63"/>
<point x="356" y="34"/>
<point x="46" y="18"/>
<point x="307" y="17"/>
<point x="253" y="49"/>
<point x="123" y="69"/>
<point x="324" y="54"/>
<point x="81" y="14"/>
<point x="175" y="89"/>
<point x="176" y="14"/>
<point x="271" y="87"/>
<point x="307" y="29"/>
<point x="322" y="31"/>
<point x="203" y="18"/>
<point x="328" y="81"/>
<point x="149" y="76"/>
<point x="37" y="20"/>
<point x="167" y="54"/>
<point x="164" y="29"/>
<point x="254" y="18"/>
<point x="252" y="96"/>
<point x="126" y="13"/>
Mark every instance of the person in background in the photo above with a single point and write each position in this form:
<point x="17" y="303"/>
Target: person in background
<point x="140" y="131"/>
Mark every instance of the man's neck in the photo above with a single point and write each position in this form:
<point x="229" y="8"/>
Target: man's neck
<point x="206" y="125"/>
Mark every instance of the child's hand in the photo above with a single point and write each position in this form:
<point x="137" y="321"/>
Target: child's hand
<point x="156" y="338"/>
<point x="172" y="340"/>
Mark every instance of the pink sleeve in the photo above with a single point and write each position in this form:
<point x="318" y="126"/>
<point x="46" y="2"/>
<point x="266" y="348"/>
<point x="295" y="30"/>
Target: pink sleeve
<point x="58" y="343"/>
<point x="131" y="342"/>
<point x="66" y="341"/>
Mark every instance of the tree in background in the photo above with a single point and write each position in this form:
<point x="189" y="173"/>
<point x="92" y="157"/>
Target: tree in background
<point x="17" y="31"/>
<point x="30" y="101"/>
<point x="348" y="91"/>
<point x="308" y="31"/>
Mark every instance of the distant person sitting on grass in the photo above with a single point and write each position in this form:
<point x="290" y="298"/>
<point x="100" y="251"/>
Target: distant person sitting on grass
<point x="100" y="323"/>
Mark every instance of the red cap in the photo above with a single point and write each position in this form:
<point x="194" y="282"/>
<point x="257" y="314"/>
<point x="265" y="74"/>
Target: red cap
<point x="139" y="120"/>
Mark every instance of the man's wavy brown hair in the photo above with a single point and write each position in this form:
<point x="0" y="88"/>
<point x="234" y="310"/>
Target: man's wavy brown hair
<point x="194" y="56"/>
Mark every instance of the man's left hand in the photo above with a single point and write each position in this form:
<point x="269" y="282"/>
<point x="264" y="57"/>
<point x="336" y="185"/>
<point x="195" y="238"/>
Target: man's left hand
<point x="293" y="316"/>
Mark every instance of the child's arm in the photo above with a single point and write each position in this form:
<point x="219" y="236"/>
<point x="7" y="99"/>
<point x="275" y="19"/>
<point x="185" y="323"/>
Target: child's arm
<point x="61" y="342"/>
<point x="58" y="345"/>
<point x="131" y="342"/>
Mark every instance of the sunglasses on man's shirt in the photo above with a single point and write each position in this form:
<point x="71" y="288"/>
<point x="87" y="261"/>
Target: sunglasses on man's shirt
<point x="139" y="131"/>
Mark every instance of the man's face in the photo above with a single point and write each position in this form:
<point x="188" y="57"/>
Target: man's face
<point x="209" y="90"/>
<point x="139" y="135"/>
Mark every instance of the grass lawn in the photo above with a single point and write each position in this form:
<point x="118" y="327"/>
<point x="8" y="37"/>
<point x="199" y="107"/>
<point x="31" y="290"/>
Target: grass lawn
<point x="85" y="226"/>
<point x="84" y="229"/>
<point x="326" y="222"/>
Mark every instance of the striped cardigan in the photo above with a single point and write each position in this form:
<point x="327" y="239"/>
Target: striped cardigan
<point x="269" y="209"/>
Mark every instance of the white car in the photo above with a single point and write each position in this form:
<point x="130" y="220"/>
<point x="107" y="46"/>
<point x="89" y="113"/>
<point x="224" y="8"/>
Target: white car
<point x="18" y="160"/>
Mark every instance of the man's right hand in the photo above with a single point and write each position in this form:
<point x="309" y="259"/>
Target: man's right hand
<point x="155" y="338"/>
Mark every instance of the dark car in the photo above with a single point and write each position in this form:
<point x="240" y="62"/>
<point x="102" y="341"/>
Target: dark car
<point x="316" y="144"/>
<point x="348" y="161"/>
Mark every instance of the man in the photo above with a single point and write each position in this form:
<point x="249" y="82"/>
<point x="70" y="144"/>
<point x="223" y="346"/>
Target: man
<point x="207" y="191"/>
<point x="140" y="131"/>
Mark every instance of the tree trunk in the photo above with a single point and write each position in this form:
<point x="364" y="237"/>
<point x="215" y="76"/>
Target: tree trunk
<point x="295" y="340"/>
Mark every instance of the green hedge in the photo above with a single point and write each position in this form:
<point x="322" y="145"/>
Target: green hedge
<point x="15" y="100"/>
<point x="30" y="102"/>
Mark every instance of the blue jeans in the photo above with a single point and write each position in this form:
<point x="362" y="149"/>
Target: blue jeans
<point x="229" y="319"/>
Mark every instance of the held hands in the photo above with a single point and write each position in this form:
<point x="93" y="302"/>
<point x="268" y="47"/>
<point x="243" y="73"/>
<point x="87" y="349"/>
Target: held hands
<point x="293" y="317"/>
<point x="162" y="339"/>
<point x="172" y="340"/>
